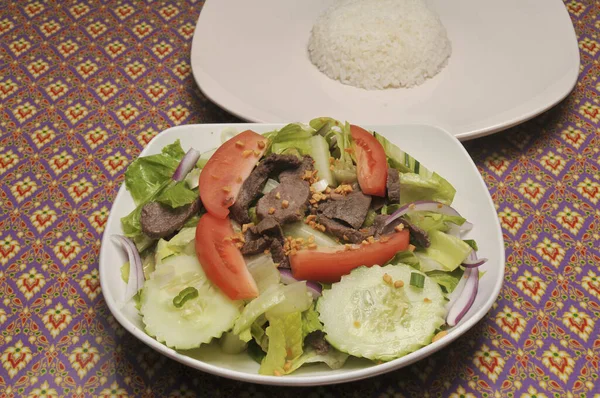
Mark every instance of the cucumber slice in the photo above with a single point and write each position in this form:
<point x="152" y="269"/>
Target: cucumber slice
<point x="365" y="316"/>
<point x="199" y="320"/>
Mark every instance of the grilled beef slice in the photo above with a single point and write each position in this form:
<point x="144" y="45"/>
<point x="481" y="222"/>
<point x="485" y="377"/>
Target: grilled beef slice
<point x="160" y="221"/>
<point x="393" y="185"/>
<point x="341" y="231"/>
<point x="286" y="203"/>
<point x="255" y="182"/>
<point x="352" y="208"/>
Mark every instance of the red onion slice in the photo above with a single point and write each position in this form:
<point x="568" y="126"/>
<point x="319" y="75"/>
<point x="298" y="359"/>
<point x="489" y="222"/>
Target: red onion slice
<point x="464" y="299"/>
<point x="136" y="271"/>
<point x="186" y="165"/>
<point x="472" y="261"/>
<point x="423" y="205"/>
<point x="287" y="278"/>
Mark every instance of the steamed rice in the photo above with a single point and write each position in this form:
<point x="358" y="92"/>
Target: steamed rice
<point x="377" y="44"/>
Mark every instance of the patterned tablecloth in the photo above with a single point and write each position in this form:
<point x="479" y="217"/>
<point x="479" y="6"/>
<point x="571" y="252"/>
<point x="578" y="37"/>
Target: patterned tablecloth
<point x="85" y="84"/>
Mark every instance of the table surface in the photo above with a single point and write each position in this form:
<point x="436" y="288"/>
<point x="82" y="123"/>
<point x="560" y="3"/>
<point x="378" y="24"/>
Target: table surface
<point x="85" y="85"/>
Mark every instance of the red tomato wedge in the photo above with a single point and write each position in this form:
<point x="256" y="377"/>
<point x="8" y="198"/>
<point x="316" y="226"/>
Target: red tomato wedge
<point x="371" y="162"/>
<point x="330" y="266"/>
<point x="227" y="169"/>
<point x="221" y="260"/>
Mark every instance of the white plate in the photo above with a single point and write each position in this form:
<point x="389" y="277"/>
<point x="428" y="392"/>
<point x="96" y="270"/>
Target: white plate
<point x="435" y="148"/>
<point x="511" y="60"/>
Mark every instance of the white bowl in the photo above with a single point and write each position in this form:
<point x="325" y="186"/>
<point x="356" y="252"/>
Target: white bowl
<point x="435" y="148"/>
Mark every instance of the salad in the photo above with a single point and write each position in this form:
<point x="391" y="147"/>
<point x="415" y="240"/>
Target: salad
<point x="307" y="244"/>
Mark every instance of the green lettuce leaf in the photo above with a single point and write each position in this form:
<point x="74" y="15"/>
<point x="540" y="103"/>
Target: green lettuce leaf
<point x="447" y="280"/>
<point x="419" y="182"/>
<point x="147" y="175"/>
<point x="415" y="187"/>
<point x="333" y="358"/>
<point x="285" y="343"/>
<point x="447" y="250"/>
<point x="431" y="221"/>
<point x="310" y="321"/>
<point x="177" y="195"/>
<point x="265" y="301"/>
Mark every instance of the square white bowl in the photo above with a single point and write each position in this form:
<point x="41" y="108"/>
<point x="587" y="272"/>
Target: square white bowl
<point x="435" y="148"/>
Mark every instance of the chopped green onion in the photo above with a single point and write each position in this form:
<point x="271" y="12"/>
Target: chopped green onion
<point x="186" y="294"/>
<point x="417" y="280"/>
<point x="472" y="243"/>
<point x="252" y="215"/>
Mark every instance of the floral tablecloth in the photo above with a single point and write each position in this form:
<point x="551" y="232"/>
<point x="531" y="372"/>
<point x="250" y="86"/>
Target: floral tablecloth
<point x="85" y="85"/>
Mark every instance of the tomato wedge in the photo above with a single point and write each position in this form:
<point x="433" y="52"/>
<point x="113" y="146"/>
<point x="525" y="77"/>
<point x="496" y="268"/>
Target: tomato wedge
<point x="226" y="170"/>
<point x="221" y="260"/>
<point x="330" y="266"/>
<point x="371" y="162"/>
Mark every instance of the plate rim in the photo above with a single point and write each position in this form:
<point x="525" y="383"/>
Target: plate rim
<point x="290" y="380"/>
<point x="211" y="89"/>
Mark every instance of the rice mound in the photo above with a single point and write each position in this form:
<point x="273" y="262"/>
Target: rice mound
<point x="378" y="44"/>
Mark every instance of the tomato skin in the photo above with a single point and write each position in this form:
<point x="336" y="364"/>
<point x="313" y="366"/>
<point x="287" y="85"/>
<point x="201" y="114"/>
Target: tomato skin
<point x="221" y="260"/>
<point x="330" y="266"/>
<point x="227" y="169"/>
<point x="371" y="162"/>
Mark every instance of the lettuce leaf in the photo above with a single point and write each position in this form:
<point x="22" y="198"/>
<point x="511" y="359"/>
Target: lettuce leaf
<point x="285" y="343"/>
<point x="431" y="221"/>
<point x="147" y="175"/>
<point x="333" y="358"/>
<point x="415" y="187"/>
<point x="310" y="321"/>
<point x="447" y="280"/>
<point x="416" y="181"/>
<point x="177" y="195"/>
<point x="265" y="301"/>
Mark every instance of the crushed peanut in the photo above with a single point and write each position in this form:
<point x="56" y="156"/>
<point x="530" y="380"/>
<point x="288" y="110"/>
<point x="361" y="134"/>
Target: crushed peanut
<point x="371" y="239"/>
<point x="426" y="300"/>
<point x="399" y="227"/>
<point x="384" y="239"/>
<point x="387" y="279"/>
<point x="246" y="153"/>
<point x="214" y="176"/>
<point x="271" y="210"/>
<point x="327" y="190"/>
<point x="239" y="144"/>
<point x="348" y="150"/>
<point x="398" y="284"/>
<point x="411" y="248"/>
<point x="439" y="335"/>
<point x="285" y="204"/>
<point x="356" y="324"/>
<point x="331" y="168"/>
<point x="331" y="160"/>
<point x="439" y="206"/>
<point x="311" y="239"/>
<point x="261" y="144"/>
<point x="287" y="366"/>
<point x="277" y="195"/>
<point x="257" y="153"/>
<point x="310" y="218"/>
<point x="239" y="179"/>
<point x="267" y="251"/>
<point x="343" y="189"/>
<point x="365" y="242"/>
<point x="226" y="189"/>
<point x="277" y="373"/>
<point x="312" y="246"/>
<point x="411" y="206"/>
<point x="246" y="226"/>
